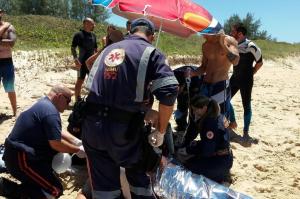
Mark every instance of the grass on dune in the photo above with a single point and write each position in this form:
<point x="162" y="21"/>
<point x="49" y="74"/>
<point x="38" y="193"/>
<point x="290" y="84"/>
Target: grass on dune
<point x="46" y="32"/>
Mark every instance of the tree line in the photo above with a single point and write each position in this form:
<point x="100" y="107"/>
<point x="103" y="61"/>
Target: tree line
<point x="251" y="24"/>
<point x="68" y="9"/>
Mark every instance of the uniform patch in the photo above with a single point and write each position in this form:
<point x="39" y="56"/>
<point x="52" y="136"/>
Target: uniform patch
<point x="112" y="60"/>
<point x="210" y="135"/>
<point x="114" y="57"/>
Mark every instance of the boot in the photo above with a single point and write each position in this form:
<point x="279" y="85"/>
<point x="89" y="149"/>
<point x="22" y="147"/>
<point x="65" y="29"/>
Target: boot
<point x="9" y="189"/>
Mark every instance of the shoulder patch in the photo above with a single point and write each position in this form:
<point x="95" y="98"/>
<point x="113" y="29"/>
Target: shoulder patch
<point x="114" y="57"/>
<point x="210" y="135"/>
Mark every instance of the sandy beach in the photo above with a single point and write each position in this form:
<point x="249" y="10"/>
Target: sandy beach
<point x="267" y="169"/>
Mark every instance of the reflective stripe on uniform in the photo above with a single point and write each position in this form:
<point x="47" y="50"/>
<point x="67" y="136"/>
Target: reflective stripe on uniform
<point x="141" y="75"/>
<point x="93" y="72"/>
<point x="141" y="191"/>
<point x="170" y="80"/>
<point x="106" y="194"/>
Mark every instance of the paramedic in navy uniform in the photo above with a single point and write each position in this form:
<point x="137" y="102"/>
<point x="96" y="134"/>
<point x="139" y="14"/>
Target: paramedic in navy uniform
<point x="121" y="82"/>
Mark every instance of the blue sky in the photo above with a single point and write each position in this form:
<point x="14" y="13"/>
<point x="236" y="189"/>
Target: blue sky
<point x="279" y="18"/>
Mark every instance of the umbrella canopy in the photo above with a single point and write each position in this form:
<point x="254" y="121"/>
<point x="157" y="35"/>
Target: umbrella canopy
<point x="178" y="17"/>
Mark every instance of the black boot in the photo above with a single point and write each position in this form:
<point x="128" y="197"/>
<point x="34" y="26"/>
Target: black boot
<point x="9" y="189"/>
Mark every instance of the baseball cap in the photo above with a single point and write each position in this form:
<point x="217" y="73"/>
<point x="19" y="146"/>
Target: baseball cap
<point x="142" y="22"/>
<point x="1" y="10"/>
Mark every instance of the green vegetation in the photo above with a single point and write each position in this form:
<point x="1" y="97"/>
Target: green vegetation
<point x="272" y="49"/>
<point x="45" y="32"/>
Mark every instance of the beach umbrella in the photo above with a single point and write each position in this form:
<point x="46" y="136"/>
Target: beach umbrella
<point x="178" y="17"/>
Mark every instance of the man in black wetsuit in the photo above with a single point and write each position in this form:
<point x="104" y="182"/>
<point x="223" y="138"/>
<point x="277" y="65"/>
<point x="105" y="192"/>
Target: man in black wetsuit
<point x="242" y="78"/>
<point x="86" y="41"/>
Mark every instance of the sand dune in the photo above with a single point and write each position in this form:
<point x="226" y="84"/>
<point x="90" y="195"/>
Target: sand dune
<point x="268" y="169"/>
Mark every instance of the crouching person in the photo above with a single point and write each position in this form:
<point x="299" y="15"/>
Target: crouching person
<point x="211" y="155"/>
<point x="29" y="149"/>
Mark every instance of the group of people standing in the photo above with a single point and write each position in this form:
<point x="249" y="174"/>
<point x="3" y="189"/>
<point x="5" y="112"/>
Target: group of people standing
<point x="123" y="79"/>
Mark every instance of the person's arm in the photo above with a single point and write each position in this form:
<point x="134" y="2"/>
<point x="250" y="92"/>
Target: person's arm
<point x="256" y="52"/>
<point x="209" y="135"/>
<point x="257" y="67"/>
<point x="164" y="115"/>
<point x="56" y="139"/>
<point x="71" y="138"/>
<point x="202" y="68"/>
<point x="74" y="52"/>
<point x="90" y="61"/>
<point x="230" y="45"/>
<point x="63" y="146"/>
<point x="103" y="41"/>
<point x="3" y="28"/>
<point x="165" y="89"/>
<point x="11" y="39"/>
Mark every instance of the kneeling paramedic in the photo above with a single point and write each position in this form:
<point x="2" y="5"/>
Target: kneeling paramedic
<point x="210" y="156"/>
<point x="123" y="77"/>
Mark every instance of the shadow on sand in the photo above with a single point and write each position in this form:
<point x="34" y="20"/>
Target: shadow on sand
<point x="243" y="141"/>
<point x="4" y="117"/>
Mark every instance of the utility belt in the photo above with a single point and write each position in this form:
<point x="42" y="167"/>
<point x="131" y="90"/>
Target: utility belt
<point x="223" y="152"/>
<point x="112" y="113"/>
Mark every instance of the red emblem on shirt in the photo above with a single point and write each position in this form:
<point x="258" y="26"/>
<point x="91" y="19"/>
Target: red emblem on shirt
<point x="210" y="135"/>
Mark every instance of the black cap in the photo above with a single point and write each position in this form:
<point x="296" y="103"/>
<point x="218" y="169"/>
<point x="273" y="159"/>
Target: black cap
<point x="1" y="10"/>
<point x="142" y="22"/>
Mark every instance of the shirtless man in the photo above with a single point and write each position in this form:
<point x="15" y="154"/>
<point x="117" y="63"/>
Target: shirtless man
<point x="219" y="53"/>
<point x="7" y="74"/>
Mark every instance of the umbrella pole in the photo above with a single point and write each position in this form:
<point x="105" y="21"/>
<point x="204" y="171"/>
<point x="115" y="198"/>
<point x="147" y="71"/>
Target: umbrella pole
<point x="156" y="44"/>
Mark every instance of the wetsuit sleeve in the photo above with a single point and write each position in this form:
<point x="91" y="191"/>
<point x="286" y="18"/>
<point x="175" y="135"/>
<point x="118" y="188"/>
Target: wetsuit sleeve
<point x="164" y="83"/>
<point x="75" y="43"/>
<point x="206" y="147"/>
<point x="256" y="52"/>
<point x="52" y="127"/>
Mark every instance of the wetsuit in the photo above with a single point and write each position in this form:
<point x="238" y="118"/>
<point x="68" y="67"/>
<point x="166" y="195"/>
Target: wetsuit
<point x="242" y="78"/>
<point x="87" y="43"/>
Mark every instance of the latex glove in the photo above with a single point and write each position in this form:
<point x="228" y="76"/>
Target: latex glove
<point x="156" y="138"/>
<point x="77" y="142"/>
<point x="81" y="152"/>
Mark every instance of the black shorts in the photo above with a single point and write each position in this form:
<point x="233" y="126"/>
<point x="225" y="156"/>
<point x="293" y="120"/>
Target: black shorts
<point x="82" y="71"/>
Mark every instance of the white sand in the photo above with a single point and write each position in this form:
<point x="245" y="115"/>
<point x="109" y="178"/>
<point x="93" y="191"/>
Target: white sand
<point x="269" y="169"/>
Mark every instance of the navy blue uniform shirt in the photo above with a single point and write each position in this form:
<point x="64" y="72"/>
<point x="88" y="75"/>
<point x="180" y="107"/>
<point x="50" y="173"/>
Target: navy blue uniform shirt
<point x="87" y="43"/>
<point x="35" y="127"/>
<point x="118" y="79"/>
<point x="213" y="136"/>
